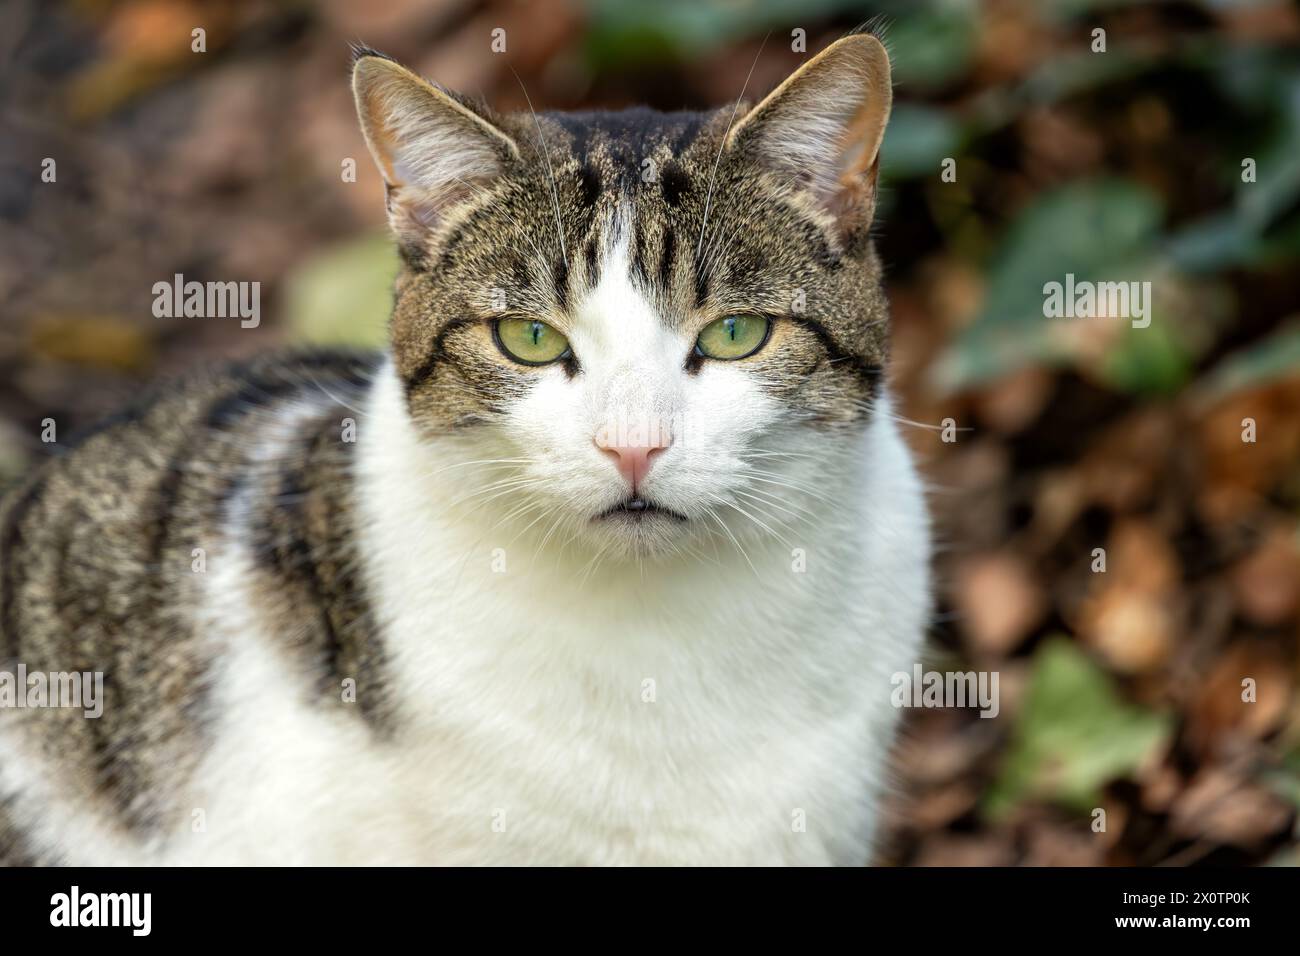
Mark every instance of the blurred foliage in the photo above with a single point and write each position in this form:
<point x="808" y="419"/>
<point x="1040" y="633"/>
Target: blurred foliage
<point x="620" y="33"/>
<point x="1121" y="689"/>
<point x="342" y="295"/>
<point x="917" y="140"/>
<point x="1277" y="356"/>
<point x="1094" y="230"/>
<point x="1073" y="736"/>
<point x="930" y="44"/>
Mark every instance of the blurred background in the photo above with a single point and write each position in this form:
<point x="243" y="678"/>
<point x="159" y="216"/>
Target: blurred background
<point x="1171" y="157"/>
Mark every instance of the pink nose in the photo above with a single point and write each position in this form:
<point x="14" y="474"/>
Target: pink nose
<point x="634" y="460"/>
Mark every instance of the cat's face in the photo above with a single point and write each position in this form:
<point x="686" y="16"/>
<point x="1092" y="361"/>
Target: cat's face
<point x="649" y="328"/>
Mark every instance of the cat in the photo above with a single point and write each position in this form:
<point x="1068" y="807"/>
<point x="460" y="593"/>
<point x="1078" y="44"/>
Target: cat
<point x="607" y="559"/>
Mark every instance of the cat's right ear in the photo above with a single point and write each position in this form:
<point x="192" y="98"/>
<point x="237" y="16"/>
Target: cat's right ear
<point x="432" y="150"/>
<point x="822" y="128"/>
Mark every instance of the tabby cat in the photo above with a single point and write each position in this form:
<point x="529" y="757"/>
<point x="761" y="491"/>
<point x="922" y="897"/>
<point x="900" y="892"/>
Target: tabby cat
<point x="607" y="559"/>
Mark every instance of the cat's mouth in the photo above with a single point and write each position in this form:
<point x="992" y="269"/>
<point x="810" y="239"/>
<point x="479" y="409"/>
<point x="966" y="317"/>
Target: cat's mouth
<point x="638" y="509"/>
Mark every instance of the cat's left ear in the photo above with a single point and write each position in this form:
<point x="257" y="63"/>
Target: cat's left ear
<point x="823" y="127"/>
<point x="431" y="147"/>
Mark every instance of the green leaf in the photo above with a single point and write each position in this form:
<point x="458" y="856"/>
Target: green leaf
<point x="1274" y="357"/>
<point x="1097" y="230"/>
<point x="1090" y="229"/>
<point x="620" y="33"/>
<point x="1285" y="778"/>
<point x="1261" y="228"/>
<point x="1074" y="734"/>
<point x="933" y="45"/>
<point x="1215" y="242"/>
<point x="343" y="296"/>
<point x="1153" y="360"/>
<point x="917" y="140"/>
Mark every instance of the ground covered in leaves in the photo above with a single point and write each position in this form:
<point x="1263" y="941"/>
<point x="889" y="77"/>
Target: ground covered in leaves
<point x="1118" y="507"/>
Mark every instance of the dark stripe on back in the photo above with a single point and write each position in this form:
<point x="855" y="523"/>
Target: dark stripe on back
<point x="262" y="390"/>
<point x="255" y="387"/>
<point x="284" y="545"/>
<point x="116" y="592"/>
<point x="304" y="534"/>
<point x="14" y="850"/>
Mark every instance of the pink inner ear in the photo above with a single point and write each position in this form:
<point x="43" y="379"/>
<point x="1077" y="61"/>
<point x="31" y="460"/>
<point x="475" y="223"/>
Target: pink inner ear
<point x="418" y="205"/>
<point x="431" y="150"/>
<point x="824" y="126"/>
<point x="864" y="136"/>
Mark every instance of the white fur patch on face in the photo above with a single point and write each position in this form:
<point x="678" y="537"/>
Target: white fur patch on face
<point x="634" y="388"/>
<point x="521" y="667"/>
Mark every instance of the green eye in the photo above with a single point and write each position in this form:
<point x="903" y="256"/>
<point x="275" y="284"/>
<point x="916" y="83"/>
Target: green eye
<point x="735" y="337"/>
<point x="530" y="342"/>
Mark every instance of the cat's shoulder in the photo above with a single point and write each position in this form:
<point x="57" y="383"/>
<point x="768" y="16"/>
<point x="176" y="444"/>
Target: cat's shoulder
<point x="207" y="398"/>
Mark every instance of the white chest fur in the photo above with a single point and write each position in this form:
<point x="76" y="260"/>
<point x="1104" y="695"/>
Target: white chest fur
<point x="720" y="710"/>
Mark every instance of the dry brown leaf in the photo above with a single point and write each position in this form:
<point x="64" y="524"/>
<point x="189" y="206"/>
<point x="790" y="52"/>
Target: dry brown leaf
<point x="1133" y="629"/>
<point x="1012" y="403"/>
<point x="938" y="747"/>
<point x="104" y="341"/>
<point x="952" y="290"/>
<point x="1132" y="614"/>
<point x="998" y="600"/>
<point x="1126" y="464"/>
<point x="1058" y="143"/>
<point x="1238" y="473"/>
<point x="1217" y="805"/>
<point x="936" y="809"/>
<point x="1161" y="784"/>
<point x="1266" y="584"/>
<point x="1218" y="717"/>
<point x="992" y="849"/>
<point x="1055" y="844"/>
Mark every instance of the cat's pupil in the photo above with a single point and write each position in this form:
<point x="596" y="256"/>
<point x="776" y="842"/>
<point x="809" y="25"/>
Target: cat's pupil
<point x="731" y="329"/>
<point x="537" y="332"/>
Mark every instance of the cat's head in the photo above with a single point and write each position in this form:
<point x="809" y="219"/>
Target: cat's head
<point x="653" y="326"/>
